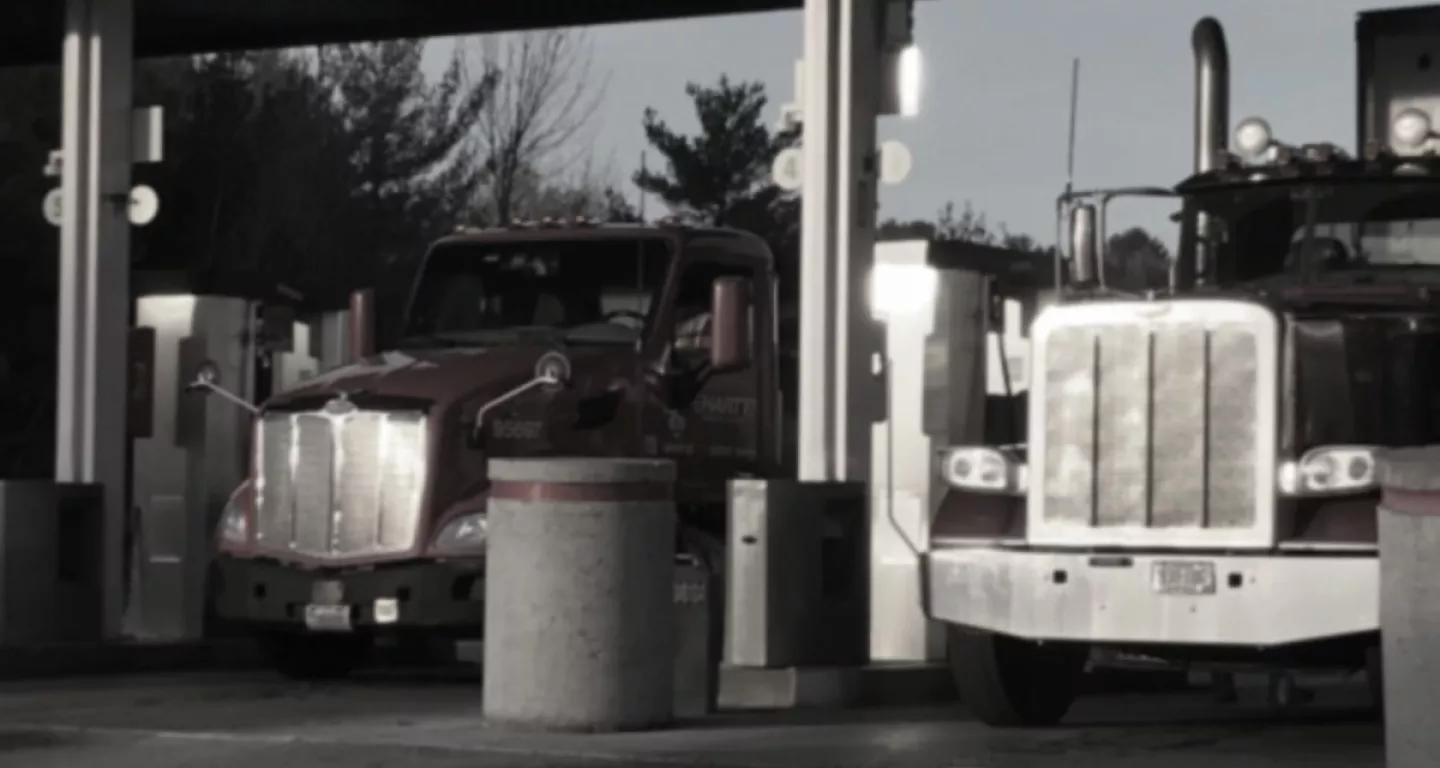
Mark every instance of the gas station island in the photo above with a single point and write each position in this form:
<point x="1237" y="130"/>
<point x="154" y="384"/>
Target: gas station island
<point x="996" y="469"/>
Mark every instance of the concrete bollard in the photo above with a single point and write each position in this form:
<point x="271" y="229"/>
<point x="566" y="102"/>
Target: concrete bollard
<point x="1409" y="523"/>
<point x="579" y="601"/>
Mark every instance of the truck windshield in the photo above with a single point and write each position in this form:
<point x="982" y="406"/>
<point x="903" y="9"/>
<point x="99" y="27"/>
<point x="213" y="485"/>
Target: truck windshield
<point x="575" y="290"/>
<point x="1362" y="230"/>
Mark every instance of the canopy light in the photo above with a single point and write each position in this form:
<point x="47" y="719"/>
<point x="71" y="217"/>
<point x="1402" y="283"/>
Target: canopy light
<point x="908" y="75"/>
<point x="901" y="289"/>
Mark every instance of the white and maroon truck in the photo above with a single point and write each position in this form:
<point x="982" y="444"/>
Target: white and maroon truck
<point x="1197" y="484"/>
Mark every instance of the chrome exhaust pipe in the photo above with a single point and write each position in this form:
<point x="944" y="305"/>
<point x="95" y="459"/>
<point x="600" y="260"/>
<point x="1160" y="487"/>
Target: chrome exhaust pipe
<point x="1212" y="126"/>
<point x="1212" y="92"/>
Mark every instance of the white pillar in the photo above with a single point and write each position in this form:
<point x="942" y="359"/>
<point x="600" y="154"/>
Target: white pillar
<point x="75" y="100"/>
<point x="841" y="103"/>
<point x="858" y="395"/>
<point x="94" y="321"/>
<point x="817" y="227"/>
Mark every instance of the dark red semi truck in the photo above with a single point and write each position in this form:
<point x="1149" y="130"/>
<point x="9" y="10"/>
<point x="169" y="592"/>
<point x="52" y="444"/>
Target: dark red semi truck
<point x="364" y="511"/>
<point x="1198" y="483"/>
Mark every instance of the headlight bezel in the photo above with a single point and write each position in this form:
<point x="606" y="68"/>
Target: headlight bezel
<point x="1330" y="470"/>
<point x="466" y="534"/>
<point x="984" y="469"/>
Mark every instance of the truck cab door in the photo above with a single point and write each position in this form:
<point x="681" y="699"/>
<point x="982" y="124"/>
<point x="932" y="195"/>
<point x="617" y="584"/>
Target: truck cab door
<point x="708" y="423"/>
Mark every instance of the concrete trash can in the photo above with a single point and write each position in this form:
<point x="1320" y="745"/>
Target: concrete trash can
<point x="579" y="599"/>
<point x="1409" y="532"/>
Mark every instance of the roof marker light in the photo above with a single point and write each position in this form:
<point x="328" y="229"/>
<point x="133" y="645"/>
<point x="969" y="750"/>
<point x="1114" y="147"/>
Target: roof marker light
<point x="1253" y="138"/>
<point x="1411" y="128"/>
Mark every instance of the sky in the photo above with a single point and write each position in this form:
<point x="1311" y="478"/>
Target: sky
<point x="994" y="121"/>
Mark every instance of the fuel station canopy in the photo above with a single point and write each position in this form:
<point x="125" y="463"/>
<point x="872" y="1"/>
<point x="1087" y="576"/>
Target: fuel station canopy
<point x="32" y="29"/>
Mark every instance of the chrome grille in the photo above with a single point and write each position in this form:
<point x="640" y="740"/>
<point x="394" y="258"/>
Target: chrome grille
<point x="340" y="485"/>
<point x="1150" y="419"/>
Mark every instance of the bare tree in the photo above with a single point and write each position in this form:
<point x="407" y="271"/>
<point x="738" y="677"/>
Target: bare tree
<point x="543" y="99"/>
<point x="590" y="192"/>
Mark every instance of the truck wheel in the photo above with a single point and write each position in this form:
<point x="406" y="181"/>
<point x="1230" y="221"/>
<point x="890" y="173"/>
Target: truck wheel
<point x="425" y="652"/>
<point x="316" y="657"/>
<point x="1008" y="682"/>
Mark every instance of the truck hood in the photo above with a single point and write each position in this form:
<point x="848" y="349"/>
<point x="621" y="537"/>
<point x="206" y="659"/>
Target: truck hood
<point x="442" y="376"/>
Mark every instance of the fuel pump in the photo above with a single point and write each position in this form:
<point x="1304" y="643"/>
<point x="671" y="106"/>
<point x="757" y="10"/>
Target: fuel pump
<point x="188" y="452"/>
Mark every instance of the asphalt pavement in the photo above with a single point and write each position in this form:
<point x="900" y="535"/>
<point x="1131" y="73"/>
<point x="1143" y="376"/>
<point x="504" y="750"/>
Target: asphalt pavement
<point x="433" y="721"/>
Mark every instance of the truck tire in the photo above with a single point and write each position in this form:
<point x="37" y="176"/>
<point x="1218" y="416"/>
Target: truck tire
<point x="1008" y="683"/>
<point x="316" y="657"/>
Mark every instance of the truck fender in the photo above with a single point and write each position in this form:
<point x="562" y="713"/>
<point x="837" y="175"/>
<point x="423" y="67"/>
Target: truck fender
<point x="969" y="515"/>
<point x="244" y="496"/>
<point x="471" y="501"/>
<point x="245" y="489"/>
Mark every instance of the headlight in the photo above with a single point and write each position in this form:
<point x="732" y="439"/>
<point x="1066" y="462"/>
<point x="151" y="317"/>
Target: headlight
<point x="1411" y="128"/>
<point x="982" y="469"/>
<point x="464" y="535"/>
<point x="1253" y="138"/>
<point x="1329" y="470"/>
<point x="235" y="520"/>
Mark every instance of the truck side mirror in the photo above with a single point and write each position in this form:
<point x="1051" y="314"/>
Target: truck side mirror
<point x="1084" y="244"/>
<point x="730" y="333"/>
<point x="362" y="324"/>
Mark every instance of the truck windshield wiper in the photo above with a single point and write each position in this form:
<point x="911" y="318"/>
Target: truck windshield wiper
<point x="431" y="340"/>
<point x="481" y="337"/>
<point x="602" y="333"/>
<point x="1353" y="274"/>
<point x="545" y="333"/>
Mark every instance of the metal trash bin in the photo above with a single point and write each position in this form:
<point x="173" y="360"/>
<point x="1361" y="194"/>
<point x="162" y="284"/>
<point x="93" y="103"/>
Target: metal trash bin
<point x="51" y="562"/>
<point x="797" y="578"/>
<point x="699" y="634"/>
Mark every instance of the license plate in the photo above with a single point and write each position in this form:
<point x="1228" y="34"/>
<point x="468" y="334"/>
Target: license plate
<point x="1183" y="577"/>
<point x="328" y="618"/>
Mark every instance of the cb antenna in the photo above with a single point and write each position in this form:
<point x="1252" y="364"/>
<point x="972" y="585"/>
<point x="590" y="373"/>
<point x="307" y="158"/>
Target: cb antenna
<point x="644" y="170"/>
<point x="1063" y="205"/>
<point x="1074" y="111"/>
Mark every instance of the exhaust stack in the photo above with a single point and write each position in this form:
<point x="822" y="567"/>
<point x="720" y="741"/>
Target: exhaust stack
<point x="1084" y="244"/>
<point x="1212" y="126"/>
<point x="362" y="324"/>
<point x="1212" y="92"/>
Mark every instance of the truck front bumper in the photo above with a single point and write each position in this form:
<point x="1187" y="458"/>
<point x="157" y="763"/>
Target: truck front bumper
<point x="443" y="597"/>
<point x="1259" y="601"/>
